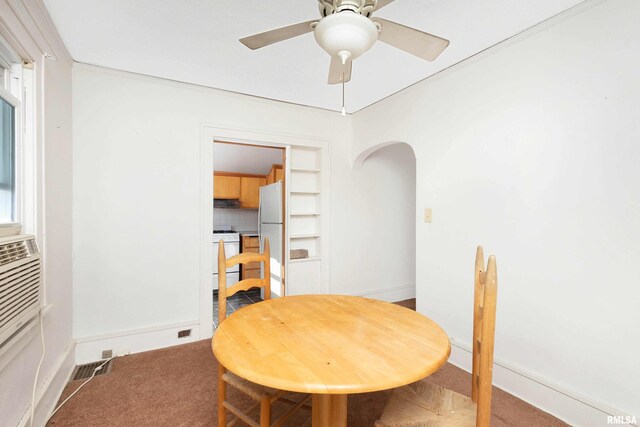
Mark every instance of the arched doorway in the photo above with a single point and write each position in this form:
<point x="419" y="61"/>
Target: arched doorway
<point x="389" y="174"/>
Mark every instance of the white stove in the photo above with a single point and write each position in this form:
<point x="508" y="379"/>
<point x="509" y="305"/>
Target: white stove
<point x="231" y="247"/>
<point x="226" y="235"/>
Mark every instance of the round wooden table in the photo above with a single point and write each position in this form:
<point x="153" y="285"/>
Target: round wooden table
<point x="330" y="346"/>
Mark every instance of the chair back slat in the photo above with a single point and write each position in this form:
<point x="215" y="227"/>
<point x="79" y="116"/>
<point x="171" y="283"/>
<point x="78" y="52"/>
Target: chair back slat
<point x="245" y="258"/>
<point x="487" y="336"/>
<point x="477" y="316"/>
<point x="243" y="285"/>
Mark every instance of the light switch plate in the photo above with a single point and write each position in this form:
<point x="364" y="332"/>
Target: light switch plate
<point x="427" y="214"/>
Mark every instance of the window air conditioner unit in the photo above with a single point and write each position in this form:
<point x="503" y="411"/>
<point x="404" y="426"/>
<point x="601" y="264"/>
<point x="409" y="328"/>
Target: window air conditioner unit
<point x="19" y="283"/>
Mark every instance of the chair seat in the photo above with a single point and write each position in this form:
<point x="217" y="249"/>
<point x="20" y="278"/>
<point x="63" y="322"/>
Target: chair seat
<point x="423" y="404"/>
<point x="253" y="390"/>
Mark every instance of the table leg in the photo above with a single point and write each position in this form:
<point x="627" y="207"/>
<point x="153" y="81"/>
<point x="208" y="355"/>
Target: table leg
<point x="329" y="410"/>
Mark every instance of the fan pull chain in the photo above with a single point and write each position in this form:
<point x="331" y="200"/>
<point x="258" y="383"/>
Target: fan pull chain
<point x="344" y="110"/>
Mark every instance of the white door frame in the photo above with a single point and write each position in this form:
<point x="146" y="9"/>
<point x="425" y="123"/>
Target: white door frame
<point x="208" y="135"/>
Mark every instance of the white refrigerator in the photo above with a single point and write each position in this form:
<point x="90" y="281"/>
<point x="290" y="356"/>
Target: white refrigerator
<point x="270" y="217"/>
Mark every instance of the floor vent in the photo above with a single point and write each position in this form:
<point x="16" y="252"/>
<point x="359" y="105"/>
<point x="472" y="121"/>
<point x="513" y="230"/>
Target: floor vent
<point x="83" y="372"/>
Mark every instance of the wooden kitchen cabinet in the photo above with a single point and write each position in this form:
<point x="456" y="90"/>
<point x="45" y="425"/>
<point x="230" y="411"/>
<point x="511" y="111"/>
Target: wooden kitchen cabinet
<point x="242" y="187"/>
<point x="275" y="174"/>
<point x="252" y="269"/>
<point x="279" y="174"/>
<point x="226" y="187"/>
<point x="250" y="191"/>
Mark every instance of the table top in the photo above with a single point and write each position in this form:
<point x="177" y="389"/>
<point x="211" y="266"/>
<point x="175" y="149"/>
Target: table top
<point x="330" y="344"/>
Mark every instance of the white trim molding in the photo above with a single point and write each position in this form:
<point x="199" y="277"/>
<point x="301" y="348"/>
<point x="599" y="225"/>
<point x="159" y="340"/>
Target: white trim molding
<point x="561" y="402"/>
<point x="392" y="293"/>
<point x="89" y="349"/>
<point x="48" y="394"/>
<point x="24" y="17"/>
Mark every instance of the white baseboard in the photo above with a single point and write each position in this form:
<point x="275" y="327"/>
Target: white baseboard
<point x="565" y="404"/>
<point x="391" y="294"/>
<point x="48" y="394"/>
<point x="89" y="349"/>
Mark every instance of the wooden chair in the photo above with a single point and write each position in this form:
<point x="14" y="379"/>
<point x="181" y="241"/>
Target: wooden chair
<point x="425" y="404"/>
<point x="264" y="397"/>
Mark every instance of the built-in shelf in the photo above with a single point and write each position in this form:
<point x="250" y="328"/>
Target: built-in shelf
<point x="305" y="197"/>
<point x="310" y="259"/>
<point x="305" y="170"/>
<point x="304" y="236"/>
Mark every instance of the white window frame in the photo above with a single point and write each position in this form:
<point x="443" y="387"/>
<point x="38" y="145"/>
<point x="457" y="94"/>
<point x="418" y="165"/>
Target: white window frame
<point x="9" y="228"/>
<point x="14" y="91"/>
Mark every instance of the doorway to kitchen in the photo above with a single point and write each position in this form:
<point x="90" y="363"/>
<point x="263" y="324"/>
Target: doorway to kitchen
<point x="248" y="190"/>
<point x="306" y="178"/>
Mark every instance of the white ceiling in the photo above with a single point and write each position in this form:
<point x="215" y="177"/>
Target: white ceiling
<point x="196" y="41"/>
<point x="245" y="158"/>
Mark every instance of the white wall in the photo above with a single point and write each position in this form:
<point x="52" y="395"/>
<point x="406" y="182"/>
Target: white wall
<point x="137" y="154"/>
<point x="137" y="158"/>
<point x="240" y="219"/>
<point x="532" y="151"/>
<point x="27" y="27"/>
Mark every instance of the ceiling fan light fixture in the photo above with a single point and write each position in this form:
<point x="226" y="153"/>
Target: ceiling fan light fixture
<point x="346" y="34"/>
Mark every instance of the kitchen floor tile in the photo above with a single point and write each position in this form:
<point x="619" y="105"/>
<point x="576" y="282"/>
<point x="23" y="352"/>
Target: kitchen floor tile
<point x="235" y="302"/>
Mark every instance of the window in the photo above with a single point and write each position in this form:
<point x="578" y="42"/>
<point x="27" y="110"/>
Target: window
<point x="17" y="144"/>
<point x="10" y="116"/>
<point x="7" y="161"/>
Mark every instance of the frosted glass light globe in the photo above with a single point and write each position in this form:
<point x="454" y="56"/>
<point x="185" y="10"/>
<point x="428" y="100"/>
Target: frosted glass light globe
<point x="346" y="34"/>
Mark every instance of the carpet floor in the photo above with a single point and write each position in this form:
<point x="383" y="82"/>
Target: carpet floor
<point x="176" y="386"/>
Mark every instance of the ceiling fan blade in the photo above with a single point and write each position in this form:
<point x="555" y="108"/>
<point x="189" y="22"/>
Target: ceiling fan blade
<point x="416" y="42"/>
<point x="257" y="41"/>
<point x="337" y="71"/>
<point x="383" y="3"/>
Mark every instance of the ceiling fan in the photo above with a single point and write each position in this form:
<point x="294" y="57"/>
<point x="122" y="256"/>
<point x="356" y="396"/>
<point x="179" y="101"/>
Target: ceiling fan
<point x="346" y="30"/>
